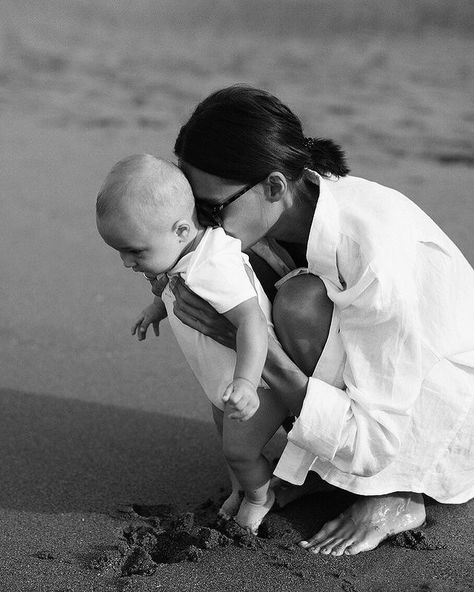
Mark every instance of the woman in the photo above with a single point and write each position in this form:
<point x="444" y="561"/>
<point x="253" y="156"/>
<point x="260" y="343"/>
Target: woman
<point x="377" y="323"/>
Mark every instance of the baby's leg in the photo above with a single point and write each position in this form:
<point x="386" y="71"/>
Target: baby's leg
<point x="231" y="505"/>
<point x="243" y="443"/>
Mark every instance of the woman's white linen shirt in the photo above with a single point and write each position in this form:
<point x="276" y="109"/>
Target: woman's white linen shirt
<point x="390" y="404"/>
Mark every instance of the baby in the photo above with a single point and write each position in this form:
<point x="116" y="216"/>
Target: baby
<point x="146" y="212"/>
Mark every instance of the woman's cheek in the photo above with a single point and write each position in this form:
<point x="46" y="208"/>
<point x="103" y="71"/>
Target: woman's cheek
<point x="247" y="231"/>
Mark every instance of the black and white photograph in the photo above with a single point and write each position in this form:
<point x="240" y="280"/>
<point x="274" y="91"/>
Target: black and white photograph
<point x="237" y="296"/>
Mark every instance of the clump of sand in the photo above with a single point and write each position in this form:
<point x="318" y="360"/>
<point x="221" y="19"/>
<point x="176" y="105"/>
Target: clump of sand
<point x="163" y="534"/>
<point x="417" y="540"/>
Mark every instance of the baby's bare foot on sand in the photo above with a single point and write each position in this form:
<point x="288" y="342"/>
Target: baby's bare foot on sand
<point x="367" y="523"/>
<point x="251" y="514"/>
<point x="231" y="505"/>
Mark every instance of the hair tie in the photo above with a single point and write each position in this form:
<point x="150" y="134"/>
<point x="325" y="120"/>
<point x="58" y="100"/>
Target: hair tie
<point x="309" y="143"/>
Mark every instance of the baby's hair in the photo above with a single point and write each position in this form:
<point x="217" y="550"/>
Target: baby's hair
<point x="145" y="182"/>
<point x="243" y="134"/>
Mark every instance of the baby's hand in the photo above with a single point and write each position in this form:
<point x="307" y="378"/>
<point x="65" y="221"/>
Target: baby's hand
<point x="242" y="395"/>
<point x="152" y="314"/>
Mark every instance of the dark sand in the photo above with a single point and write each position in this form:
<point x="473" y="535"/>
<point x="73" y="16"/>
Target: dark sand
<point x="92" y="422"/>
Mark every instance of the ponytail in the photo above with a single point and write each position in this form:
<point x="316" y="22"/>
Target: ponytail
<point x="326" y="157"/>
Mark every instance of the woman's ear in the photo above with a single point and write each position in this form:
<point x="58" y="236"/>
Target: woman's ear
<point x="182" y="228"/>
<point x="276" y="186"/>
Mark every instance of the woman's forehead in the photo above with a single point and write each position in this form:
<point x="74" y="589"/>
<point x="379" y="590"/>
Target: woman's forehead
<point x="205" y="185"/>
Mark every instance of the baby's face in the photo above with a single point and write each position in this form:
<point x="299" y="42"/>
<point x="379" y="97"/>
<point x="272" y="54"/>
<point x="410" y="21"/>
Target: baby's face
<point x="142" y="247"/>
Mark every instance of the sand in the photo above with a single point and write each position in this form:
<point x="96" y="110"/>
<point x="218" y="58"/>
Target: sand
<point x="94" y="427"/>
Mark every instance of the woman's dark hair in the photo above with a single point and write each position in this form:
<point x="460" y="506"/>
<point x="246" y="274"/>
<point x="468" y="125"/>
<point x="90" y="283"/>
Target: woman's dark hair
<point x="242" y="134"/>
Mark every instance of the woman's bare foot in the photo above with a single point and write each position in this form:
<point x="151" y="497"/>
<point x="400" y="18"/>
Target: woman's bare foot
<point x="251" y="514"/>
<point x="368" y="522"/>
<point x="231" y="505"/>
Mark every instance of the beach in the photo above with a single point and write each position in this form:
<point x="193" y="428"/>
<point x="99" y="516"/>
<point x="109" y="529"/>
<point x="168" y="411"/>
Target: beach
<point x="97" y="427"/>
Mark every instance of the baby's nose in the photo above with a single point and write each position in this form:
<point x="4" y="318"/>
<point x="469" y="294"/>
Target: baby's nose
<point x="127" y="259"/>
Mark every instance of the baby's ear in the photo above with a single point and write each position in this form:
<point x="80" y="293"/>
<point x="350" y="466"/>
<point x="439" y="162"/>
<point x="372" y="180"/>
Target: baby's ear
<point x="182" y="229"/>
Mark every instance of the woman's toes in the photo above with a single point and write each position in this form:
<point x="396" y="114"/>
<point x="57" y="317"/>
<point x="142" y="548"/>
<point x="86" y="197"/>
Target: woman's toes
<point x="325" y="546"/>
<point x="326" y="550"/>
<point x="339" y="549"/>
<point x="331" y="545"/>
<point x="314" y="541"/>
<point x="314" y="544"/>
<point x="351" y="550"/>
<point x="360" y="546"/>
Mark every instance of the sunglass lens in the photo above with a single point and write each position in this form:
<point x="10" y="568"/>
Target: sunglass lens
<point x="207" y="217"/>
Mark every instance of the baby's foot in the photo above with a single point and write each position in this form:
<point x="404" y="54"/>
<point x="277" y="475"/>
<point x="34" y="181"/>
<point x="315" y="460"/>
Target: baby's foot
<point x="231" y="505"/>
<point x="251" y="514"/>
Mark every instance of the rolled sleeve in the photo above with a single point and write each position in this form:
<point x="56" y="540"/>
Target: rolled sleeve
<point x="323" y="417"/>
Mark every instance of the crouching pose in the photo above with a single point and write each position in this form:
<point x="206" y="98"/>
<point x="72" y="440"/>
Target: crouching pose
<point x="378" y="335"/>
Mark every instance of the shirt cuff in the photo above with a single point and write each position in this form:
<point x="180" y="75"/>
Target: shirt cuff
<point x="294" y="464"/>
<point x="319" y="427"/>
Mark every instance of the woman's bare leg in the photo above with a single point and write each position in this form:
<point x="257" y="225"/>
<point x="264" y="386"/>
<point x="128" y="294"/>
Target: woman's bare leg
<point x="303" y="335"/>
<point x="302" y="315"/>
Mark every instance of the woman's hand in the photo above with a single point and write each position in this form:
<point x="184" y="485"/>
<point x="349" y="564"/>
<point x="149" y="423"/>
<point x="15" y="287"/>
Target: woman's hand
<point x="198" y="314"/>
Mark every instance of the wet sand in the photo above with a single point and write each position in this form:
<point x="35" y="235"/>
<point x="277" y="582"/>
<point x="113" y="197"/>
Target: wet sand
<point x="94" y="424"/>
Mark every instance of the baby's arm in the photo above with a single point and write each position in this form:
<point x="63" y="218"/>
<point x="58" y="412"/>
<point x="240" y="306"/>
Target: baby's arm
<point x="152" y="314"/>
<point x="251" y="349"/>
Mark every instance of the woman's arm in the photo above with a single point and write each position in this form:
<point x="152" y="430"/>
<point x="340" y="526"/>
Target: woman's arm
<point x="198" y="314"/>
<point x="284" y="377"/>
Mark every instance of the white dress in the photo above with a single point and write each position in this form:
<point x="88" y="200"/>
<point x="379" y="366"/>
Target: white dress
<point x="390" y="404"/>
<point x="216" y="271"/>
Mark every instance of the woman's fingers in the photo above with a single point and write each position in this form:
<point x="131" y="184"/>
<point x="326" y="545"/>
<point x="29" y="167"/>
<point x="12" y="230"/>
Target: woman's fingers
<point x="189" y="320"/>
<point x="191" y="302"/>
<point x="198" y="314"/>
<point x="184" y="310"/>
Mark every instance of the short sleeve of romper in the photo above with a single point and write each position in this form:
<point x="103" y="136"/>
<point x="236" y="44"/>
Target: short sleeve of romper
<point x="217" y="271"/>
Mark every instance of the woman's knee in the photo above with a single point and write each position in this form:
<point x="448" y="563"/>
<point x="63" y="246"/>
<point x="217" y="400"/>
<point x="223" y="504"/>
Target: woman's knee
<point x="302" y="315"/>
<point x="303" y="301"/>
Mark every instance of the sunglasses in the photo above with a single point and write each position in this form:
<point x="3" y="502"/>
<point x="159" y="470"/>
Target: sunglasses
<point x="213" y="212"/>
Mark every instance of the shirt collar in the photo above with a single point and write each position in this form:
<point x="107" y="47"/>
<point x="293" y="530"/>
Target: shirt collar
<point x="323" y="237"/>
<point x="183" y="264"/>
